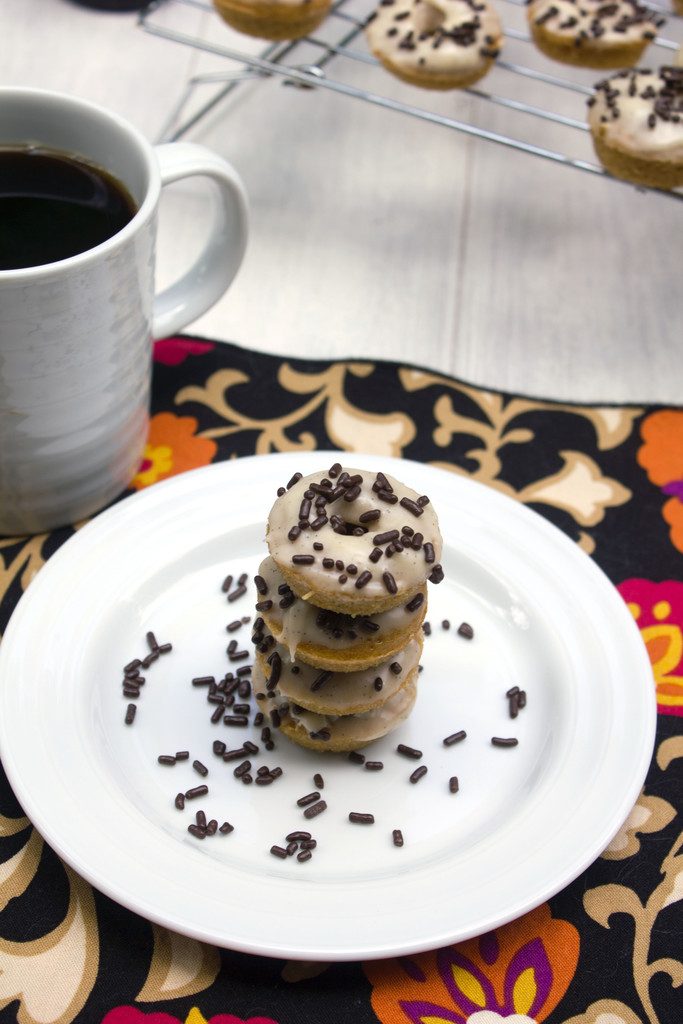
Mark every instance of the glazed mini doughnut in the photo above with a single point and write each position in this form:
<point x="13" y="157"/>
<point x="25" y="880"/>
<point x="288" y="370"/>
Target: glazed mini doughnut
<point x="328" y="733"/>
<point x="593" y="33"/>
<point x="273" y="19"/>
<point x="353" y="541"/>
<point x="437" y="44"/>
<point x="339" y="693"/>
<point x="332" y="640"/>
<point x="636" y="120"/>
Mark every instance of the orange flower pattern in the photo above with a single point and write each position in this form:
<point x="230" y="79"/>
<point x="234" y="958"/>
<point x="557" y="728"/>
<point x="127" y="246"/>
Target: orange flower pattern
<point x="658" y="611"/>
<point x="661" y="456"/>
<point x="523" y="968"/>
<point x="172" y="447"/>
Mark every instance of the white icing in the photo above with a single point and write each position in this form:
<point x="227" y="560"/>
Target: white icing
<point x="428" y="20"/>
<point x="630" y="131"/>
<point x="296" y="625"/>
<point x="574" y="17"/>
<point x="344" y="691"/>
<point x="347" y="729"/>
<point x="409" y="568"/>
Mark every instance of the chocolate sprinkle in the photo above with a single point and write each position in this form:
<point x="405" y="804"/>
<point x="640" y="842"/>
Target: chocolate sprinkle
<point x="453" y="784"/>
<point x="407" y="751"/>
<point x="192" y="794"/>
<point x="358" y="818"/>
<point x="315" y="809"/>
<point x="397" y="837"/>
<point x="419" y="773"/>
<point x="411" y="506"/>
<point x="390" y="583"/>
<point x="504" y="741"/>
<point x="465" y="630"/>
<point x="320" y="680"/>
<point x="310" y="798"/>
<point x="364" y="579"/>
<point x="455" y="737"/>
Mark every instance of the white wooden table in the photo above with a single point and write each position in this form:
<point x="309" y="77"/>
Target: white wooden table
<point x="378" y="235"/>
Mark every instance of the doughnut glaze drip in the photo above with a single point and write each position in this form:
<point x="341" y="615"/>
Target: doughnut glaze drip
<point x="345" y="693"/>
<point x="346" y="731"/>
<point x="301" y="623"/>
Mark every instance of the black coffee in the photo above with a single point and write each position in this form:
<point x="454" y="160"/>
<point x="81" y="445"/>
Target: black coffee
<point x="53" y="205"/>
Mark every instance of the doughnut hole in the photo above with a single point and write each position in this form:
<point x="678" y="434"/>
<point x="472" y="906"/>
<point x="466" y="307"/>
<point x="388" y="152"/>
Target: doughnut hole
<point x="427" y="18"/>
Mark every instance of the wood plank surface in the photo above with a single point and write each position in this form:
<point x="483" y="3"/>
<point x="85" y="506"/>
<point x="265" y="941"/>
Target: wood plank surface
<point x="376" y="234"/>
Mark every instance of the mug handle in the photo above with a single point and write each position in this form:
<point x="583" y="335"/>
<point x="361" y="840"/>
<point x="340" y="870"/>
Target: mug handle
<point x="215" y="267"/>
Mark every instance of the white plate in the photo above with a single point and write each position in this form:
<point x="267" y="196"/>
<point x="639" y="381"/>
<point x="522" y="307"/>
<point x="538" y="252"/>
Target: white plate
<point x="527" y="820"/>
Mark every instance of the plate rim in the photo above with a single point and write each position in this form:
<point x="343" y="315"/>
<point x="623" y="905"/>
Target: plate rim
<point x="364" y="950"/>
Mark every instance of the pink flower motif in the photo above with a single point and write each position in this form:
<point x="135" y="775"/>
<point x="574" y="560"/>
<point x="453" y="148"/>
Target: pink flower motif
<point x="657" y="608"/>
<point x="174" y="351"/>
<point x="131" y="1015"/>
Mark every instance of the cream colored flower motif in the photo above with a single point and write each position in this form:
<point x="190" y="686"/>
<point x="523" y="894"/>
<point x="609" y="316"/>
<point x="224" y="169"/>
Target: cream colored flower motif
<point x="180" y="966"/>
<point x="348" y="427"/>
<point x="676" y="892"/>
<point x="606" y="1011"/>
<point x="303" y="970"/>
<point x="612" y="425"/>
<point x="579" y="488"/>
<point x="358" y="431"/>
<point x="52" y="976"/>
<point x="492" y="1017"/>
<point x="650" y="814"/>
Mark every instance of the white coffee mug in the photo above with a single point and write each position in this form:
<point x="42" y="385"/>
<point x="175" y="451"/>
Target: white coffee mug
<point x="75" y="335"/>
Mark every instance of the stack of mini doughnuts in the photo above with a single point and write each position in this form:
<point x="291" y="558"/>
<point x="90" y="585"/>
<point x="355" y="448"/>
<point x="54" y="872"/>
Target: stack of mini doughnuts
<point x="341" y="602"/>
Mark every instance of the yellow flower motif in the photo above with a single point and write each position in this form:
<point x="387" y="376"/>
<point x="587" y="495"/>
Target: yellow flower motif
<point x="173" y="446"/>
<point x="157" y="459"/>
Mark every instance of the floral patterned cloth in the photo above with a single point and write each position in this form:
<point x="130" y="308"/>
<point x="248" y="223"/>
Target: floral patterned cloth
<point x="604" y="951"/>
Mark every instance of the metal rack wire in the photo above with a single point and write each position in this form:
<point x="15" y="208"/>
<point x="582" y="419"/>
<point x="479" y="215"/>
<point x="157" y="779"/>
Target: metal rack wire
<point x="274" y="61"/>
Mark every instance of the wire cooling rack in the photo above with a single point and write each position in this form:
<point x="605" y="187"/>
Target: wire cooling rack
<point x="343" y="42"/>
